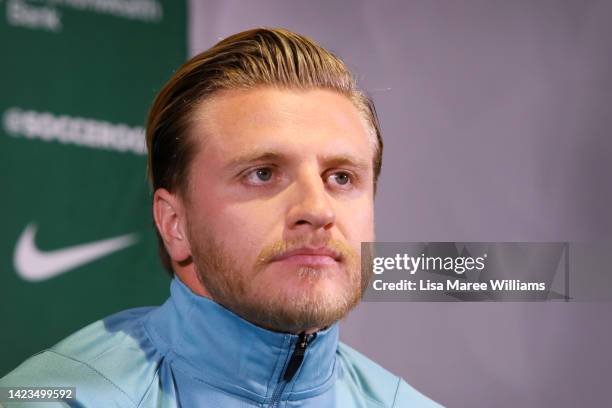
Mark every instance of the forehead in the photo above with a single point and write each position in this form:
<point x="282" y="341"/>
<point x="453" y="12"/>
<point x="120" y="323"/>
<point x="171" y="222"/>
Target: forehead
<point x="300" y="121"/>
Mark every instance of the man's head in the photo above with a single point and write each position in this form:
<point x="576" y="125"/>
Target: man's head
<point x="264" y="156"/>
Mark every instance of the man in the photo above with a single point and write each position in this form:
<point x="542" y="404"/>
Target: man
<point x="263" y="156"/>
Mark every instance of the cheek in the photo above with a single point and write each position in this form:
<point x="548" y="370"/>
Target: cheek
<point x="244" y="227"/>
<point x="359" y="222"/>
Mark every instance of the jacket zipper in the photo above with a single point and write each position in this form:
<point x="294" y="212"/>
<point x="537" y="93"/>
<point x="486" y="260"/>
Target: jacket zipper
<point x="292" y="366"/>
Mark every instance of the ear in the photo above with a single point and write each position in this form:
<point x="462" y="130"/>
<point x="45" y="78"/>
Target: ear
<point x="168" y="214"/>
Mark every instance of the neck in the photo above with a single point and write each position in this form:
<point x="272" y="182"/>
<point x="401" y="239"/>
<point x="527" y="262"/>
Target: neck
<point x="239" y="357"/>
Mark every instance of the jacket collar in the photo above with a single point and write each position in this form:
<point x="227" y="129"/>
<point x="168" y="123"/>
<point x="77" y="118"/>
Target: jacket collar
<point x="222" y="349"/>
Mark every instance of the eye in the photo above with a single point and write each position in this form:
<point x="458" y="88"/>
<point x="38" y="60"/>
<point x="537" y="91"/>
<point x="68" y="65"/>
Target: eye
<point x="264" y="174"/>
<point x="259" y="176"/>
<point x="341" y="178"/>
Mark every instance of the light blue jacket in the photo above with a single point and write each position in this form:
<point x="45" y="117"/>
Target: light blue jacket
<point x="192" y="352"/>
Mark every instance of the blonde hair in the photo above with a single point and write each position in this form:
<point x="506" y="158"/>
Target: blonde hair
<point x="259" y="57"/>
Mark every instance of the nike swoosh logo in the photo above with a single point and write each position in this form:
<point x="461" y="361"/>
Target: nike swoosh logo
<point x="35" y="265"/>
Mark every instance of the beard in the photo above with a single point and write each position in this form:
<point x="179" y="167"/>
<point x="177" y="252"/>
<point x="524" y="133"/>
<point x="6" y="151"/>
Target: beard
<point x="236" y="287"/>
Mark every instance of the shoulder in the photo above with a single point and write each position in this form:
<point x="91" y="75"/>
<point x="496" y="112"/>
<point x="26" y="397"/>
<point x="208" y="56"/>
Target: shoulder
<point x="380" y="387"/>
<point x="110" y="362"/>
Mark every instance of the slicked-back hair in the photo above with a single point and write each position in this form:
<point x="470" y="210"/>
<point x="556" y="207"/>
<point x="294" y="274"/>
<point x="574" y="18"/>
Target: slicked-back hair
<point x="272" y="57"/>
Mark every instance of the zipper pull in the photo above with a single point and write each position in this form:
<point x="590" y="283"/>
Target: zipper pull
<point x="298" y="355"/>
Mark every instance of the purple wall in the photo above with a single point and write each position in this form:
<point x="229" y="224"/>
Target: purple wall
<point x="496" y="119"/>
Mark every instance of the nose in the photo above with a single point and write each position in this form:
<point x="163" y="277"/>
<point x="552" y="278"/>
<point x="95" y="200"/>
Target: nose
<point x="311" y="206"/>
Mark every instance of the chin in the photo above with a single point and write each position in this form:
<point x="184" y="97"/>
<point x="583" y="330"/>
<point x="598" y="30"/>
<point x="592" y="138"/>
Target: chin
<point x="315" y="288"/>
<point x="305" y="272"/>
<point x="294" y="305"/>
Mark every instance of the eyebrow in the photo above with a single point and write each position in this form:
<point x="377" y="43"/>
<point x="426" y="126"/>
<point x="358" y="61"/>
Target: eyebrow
<point x="254" y="157"/>
<point x="276" y="156"/>
<point x="344" y="160"/>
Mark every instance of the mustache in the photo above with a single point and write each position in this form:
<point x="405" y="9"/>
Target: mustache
<point x="278" y="248"/>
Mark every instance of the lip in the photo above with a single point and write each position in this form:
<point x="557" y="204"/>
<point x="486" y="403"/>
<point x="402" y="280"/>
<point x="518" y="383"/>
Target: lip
<point x="310" y="256"/>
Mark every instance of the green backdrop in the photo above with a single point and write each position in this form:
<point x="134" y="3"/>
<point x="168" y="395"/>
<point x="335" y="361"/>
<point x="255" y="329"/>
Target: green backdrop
<point x="77" y="79"/>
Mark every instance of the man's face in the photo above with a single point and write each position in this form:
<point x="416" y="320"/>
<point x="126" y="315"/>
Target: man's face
<point x="280" y="197"/>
